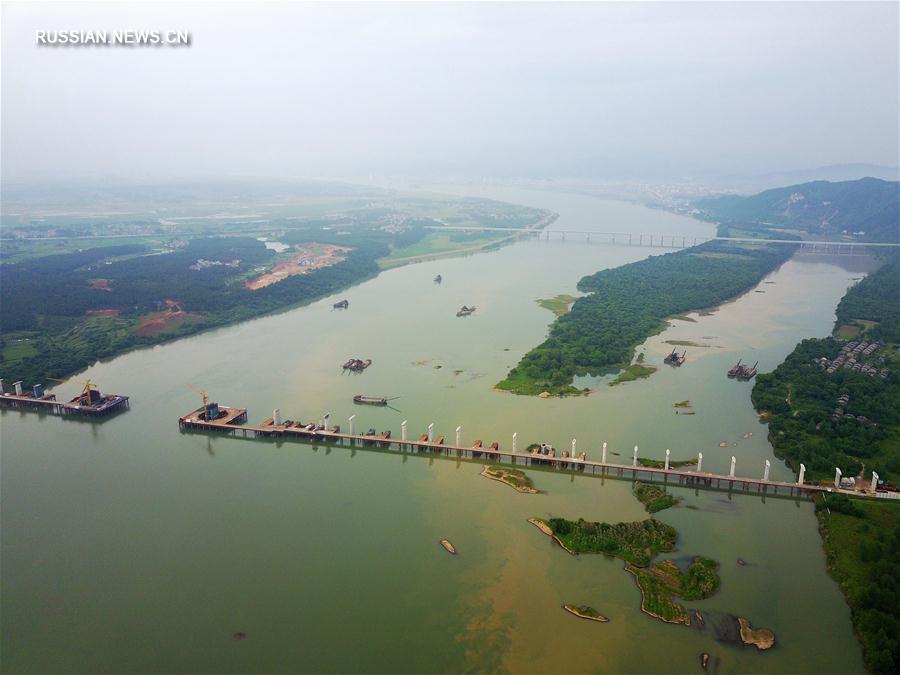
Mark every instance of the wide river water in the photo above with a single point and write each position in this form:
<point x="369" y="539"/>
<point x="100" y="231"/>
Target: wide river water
<point x="131" y="547"/>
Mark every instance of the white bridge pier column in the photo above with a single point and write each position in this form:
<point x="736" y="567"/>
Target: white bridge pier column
<point x="802" y="473"/>
<point x="574" y="443"/>
<point x="874" y="481"/>
<point x="350" y="420"/>
<point x="766" y="472"/>
<point x="634" y="460"/>
<point x="667" y="459"/>
<point x="603" y="456"/>
<point x="733" y="462"/>
<point x="431" y="432"/>
<point x="515" y="436"/>
<point x="276" y="417"/>
<point x="403" y="430"/>
<point x="699" y="462"/>
<point x="458" y="432"/>
<point x="837" y="477"/>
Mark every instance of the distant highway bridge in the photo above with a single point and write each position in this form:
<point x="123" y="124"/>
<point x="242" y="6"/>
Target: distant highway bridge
<point x="671" y="240"/>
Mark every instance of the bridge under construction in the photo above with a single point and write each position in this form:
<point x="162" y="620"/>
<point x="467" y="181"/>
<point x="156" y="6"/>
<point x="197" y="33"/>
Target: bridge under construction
<point x="232" y="421"/>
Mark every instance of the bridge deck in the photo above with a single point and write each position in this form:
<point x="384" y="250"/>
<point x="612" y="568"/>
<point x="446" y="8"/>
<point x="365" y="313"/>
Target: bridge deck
<point x="192" y="421"/>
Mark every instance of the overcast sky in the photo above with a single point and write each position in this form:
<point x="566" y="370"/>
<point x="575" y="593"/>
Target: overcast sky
<point x="347" y="89"/>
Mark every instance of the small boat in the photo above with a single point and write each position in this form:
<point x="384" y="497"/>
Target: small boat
<point x="386" y="435"/>
<point x="357" y="365"/>
<point x="438" y="279"/>
<point x="735" y="369"/>
<point x="465" y="311"/>
<point x="343" y="304"/>
<point x="450" y="548"/>
<point x="370" y="400"/>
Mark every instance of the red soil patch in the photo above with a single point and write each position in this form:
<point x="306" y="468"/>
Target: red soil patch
<point x="100" y="285"/>
<point x="153" y="324"/>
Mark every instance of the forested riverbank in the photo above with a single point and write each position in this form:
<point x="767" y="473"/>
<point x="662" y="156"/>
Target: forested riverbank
<point x="626" y="305"/>
<point x="828" y="416"/>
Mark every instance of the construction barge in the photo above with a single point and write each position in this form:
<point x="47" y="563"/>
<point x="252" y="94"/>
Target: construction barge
<point x="674" y="359"/>
<point x="89" y="403"/>
<point x="742" y="372"/>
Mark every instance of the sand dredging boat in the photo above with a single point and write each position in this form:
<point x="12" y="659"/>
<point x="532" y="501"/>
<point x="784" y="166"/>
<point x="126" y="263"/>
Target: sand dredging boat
<point x="675" y="359"/>
<point x="465" y="311"/>
<point x="742" y="372"/>
<point x="357" y="365"/>
<point x="370" y="400"/>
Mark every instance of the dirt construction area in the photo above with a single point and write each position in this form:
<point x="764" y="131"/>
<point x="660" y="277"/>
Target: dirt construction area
<point x="308" y="257"/>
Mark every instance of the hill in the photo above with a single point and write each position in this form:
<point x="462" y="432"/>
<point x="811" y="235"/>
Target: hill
<point x="869" y="205"/>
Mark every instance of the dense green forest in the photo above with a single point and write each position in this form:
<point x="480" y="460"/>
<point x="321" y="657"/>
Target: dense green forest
<point x="868" y="205"/>
<point x="862" y="548"/>
<point x="799" y="397"/>
<point x="625" y="305"/>
<point x="55" y="323"/>
<point x="875" y="298"/>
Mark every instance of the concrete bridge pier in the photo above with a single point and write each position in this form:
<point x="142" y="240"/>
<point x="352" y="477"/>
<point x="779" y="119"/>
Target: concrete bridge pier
<point x="403" y="431"/>
<point x="603" y="454"/>
<point x="837" y="477"/>
<point x="431" y="432"/>
<point x="766" y="472"/>
<point x="634" y="461"/>
<point x="667" y="459"/>
<point x="802" y="473"/>
<point x="350" y="422"/>
<point x="458" y="432"/>
<point x="514" y="438"/>
<point x="699" y="462"/>
<point x="733" y="462"/>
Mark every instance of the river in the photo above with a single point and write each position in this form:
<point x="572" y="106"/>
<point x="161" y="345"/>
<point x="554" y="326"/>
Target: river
<point x="128" y="546"/>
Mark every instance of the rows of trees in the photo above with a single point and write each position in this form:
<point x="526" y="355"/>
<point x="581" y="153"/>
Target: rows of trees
<point x="625" y="305"/>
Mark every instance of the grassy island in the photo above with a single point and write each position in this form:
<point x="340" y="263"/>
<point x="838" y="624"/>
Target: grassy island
<point x="653" y="498"/>
<point x="664" y="581"/>
<point x="636" y="543"/>
<point x="625" y="305"/>
<point x="558" y="305"/>
<point x="518" y="480"/>
<point x="659" y="464"/>
<point x="635" y="371"/>
<point x="585" y="612"/>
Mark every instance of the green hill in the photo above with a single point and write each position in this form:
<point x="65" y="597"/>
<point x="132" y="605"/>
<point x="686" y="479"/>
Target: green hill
<point x="868" y="205"/>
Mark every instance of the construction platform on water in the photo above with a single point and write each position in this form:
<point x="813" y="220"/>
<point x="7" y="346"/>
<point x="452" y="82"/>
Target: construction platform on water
<point x="89" y="403"/>
<point x="228" y="420"/>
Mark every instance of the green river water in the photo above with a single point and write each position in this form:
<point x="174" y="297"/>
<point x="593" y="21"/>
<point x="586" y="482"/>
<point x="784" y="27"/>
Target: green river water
<point x="131" y="547"/>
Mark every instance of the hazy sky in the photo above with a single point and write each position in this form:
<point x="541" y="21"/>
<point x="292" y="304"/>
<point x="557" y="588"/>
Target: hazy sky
<point x="346" y="89"/>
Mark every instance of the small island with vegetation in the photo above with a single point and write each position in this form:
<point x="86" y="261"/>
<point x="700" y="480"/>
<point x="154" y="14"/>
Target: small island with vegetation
<point x="585" y="612"/>
<point x="637" y="542"/>
<point x="558" y="305"/>
<point x="636" y="371"/>
<point x="516" y="479"/>
<point x="654" y="498"/>
<point x="664" y="581"/>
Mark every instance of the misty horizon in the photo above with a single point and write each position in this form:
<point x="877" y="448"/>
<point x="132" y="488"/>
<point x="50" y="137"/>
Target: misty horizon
<point x="514" y="90"/>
